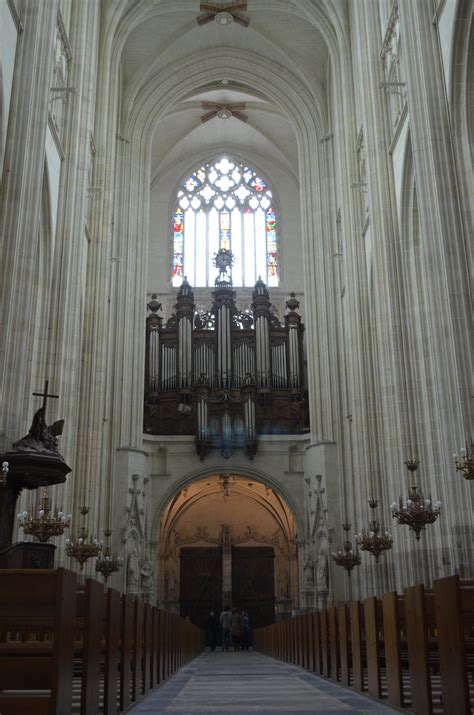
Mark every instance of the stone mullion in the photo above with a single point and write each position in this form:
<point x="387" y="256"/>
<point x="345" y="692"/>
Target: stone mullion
<point x="21" y="208"/>
<point x="444" y="250"/>
<point x="392" y="420"/>
<point x="65" y="335"/>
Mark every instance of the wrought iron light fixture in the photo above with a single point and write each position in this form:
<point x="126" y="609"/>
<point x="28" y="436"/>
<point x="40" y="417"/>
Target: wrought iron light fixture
<point x="83" y="547"/>
<point x="465" y="462"/>
<point x="417" y="511"/>
<point x="5" y="470"/>
<point x="347" y="557"/>
<point x="108" y="564"/>
<point x="43" y="526"/>
<point x="372" y="539"/>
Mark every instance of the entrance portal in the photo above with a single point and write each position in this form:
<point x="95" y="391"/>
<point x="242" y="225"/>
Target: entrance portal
<point x="200" y="583"/>
<point x="253" y="585"/>
<point x="224" y="541"/>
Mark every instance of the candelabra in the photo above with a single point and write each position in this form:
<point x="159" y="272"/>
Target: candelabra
<point x="417" y="511"/>
<point x="346" y="556"/>
<point x="5" y="470"/>
<point x="83" y="547"/>
<point x="43" y="526"/>
<point x="108" y="564"/>
<point x="371" y="539"/>
<point x="465" y="462"/>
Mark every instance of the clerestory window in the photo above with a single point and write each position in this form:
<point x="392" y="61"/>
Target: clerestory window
<point x="225" y="204"/>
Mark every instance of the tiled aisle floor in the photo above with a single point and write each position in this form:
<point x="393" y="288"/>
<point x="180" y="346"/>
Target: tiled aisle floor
<point x="247" y="682"/>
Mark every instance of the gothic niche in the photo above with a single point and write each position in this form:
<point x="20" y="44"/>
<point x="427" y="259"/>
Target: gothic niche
<point x="225" y="376"/>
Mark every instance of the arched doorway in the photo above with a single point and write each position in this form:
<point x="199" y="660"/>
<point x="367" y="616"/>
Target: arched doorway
<point x="228" y="540"/>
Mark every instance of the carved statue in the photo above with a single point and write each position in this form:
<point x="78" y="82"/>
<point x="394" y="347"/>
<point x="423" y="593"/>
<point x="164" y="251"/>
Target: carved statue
<point x="41" y="438"/>
<point x="308" y="572"/>
<point x="146" y="575"/>
<point x="133" y="571"/>
<point x="171" y="586"/>
<point x="322" y="572"/>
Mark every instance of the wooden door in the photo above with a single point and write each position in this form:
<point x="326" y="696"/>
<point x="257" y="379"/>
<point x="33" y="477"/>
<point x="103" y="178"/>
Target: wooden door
<point x="200" y="583"/>
<point x="253" y="585"/>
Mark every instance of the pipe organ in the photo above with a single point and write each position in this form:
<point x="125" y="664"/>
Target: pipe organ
<point x="224" y="375"/>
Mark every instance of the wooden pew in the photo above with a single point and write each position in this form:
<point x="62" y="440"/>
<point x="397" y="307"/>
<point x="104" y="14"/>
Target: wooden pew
<point x="357" y="624"/>
<point x="430" y="633"/>
<point x="454" y="607"/>
<point x="372" y="645"/>
<point x="52" y="630"/>
<point x="418" y="647"/>
<point x="113" y="615"/>
<point x="37" y="666"/>
<point x="89" y="627"/>
<point x="333" y="643"/>
<point x="393" y="611"/>
<point x="126" y="652"/>
<point x="344" y="643"/>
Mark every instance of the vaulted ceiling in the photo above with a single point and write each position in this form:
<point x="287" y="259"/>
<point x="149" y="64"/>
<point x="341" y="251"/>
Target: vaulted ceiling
<point x="165" y="34"/>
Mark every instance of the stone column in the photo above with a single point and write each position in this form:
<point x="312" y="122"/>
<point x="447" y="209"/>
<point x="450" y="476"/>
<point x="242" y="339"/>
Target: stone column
<point x="94" y="455"/>
<point x="68" y="297"/>
<point x="392" y="426"/>
<point x="350" y="381"/>
<point x="445" y="254"/>
<point x="20" y="208"/>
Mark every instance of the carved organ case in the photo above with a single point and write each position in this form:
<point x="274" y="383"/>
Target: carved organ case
<point x="225" y="376"/>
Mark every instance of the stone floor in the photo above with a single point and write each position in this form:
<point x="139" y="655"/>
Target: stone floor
<point x="247" y="682"/>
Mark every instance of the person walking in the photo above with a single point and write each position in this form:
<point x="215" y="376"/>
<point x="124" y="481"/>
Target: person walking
<point x="235" y="629"/>
<point x="211" y="630"/>
<point x="245" y="629"/>
<point x="225" y="619"/>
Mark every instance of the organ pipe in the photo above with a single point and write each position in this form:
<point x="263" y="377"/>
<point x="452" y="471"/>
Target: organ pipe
<point x="223" y="369"/>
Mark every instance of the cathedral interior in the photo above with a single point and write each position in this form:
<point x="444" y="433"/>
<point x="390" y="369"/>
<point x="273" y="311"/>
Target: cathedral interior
<point x="235" y="260"/>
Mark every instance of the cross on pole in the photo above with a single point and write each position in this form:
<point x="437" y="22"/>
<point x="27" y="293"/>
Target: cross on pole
<point x="44" y="394"/>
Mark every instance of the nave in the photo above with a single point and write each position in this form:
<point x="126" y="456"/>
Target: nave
<point x="247" y="682"/>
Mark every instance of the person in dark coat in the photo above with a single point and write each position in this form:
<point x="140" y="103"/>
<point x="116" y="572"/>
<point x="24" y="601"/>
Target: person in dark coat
<point x="212" y="626"/>
<point x="226" y="622"/>
<point x="245" y="630"/>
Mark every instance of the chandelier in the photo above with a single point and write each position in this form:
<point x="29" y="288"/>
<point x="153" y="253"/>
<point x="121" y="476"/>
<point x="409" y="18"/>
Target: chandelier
<point x="83" y="547"/>
<point x="5" y="470"/>
<point x="417" y="511"/>
<point x="346" y="556"/>
<point x="43" y="526"/>
<point x="465" y="462"/>
<point x="108" y="564"/>
<point x="372" y="539"/>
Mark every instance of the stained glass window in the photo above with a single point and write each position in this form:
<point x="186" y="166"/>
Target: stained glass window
<point x="225" y="204"/>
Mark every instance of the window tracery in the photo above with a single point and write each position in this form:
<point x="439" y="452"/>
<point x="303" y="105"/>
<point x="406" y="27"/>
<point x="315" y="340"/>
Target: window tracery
<point x="225" y="204"/>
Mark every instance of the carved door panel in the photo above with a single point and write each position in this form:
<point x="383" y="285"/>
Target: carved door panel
<point x="200" y="583"/>
<point x="253" y="584"/>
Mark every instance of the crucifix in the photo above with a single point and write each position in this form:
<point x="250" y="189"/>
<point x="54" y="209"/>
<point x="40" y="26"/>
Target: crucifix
<point x="34" y="462"/>
<point x="45" y="395"/>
